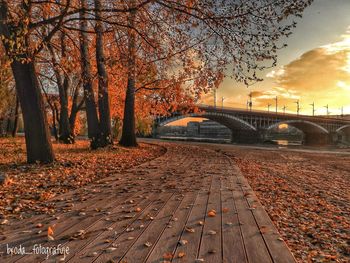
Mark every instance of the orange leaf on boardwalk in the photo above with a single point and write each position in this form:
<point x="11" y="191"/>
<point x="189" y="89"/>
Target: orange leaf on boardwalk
<point x="225" y="210"/>
<point x="50" y="231"/>
<point x="212" y="213"/>
<point x="168" y="255"/>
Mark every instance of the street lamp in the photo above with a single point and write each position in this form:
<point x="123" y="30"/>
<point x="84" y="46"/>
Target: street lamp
<point x="327" y="109"/>
<point x="268" y="107"/>
<point x="214" y="97"/>
<point x="250" y="103"/>
<point x="298" y="106"/>
<point x="284" y="109"/>
<point x="313" y="108"/>
<point x="276" y="99"/>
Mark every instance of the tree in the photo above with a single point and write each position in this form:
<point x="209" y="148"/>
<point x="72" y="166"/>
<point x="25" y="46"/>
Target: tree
<point x="6" y="90"/>
<point x="201" y="39"/>
<point x="16" y="40"/>
<point x="103" y="96"/>
<point x="90" y="103"/>
<point x="128" y="134"/>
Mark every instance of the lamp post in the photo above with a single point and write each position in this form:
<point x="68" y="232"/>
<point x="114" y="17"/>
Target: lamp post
<point x="327" y="107"/>
<point x="268" y="107"/>
<point x="298" y="106"/>
<point x="313" y="108"/>
<point x="250" y="103"/>
<point x="276" y="99"/>
<point x="222" y="102"/>
<point x="214" y="97"/>
<point x="284" y="109"/>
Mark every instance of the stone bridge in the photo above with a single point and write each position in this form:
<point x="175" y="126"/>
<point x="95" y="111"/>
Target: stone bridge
<point x="252" y="126"/>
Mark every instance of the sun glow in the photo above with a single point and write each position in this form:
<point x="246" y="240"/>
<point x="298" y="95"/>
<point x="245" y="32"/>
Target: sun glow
<point x="343" y="85"/>
<point x="283" y="126"/>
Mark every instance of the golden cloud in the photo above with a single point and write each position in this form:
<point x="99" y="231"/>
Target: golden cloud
<point x="321" y="75"/>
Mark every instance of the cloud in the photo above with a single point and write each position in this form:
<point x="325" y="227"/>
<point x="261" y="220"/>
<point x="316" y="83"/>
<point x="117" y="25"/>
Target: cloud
<point x="285" y="97"/>
<point x="275" y="73"/>
<point x="321" y="75"/>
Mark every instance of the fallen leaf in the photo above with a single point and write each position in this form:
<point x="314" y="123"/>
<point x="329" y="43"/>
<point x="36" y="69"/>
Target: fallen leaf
<point x="168" y="255"/>
<point x="110" y="249"/>
<point x="189" y="230"/>
<point x="50" y="231"/>
<point x="211" y="232"/>
<point x="183" y="242"/>
<point x="212" y="213"/>
<point x="148" y="244"/>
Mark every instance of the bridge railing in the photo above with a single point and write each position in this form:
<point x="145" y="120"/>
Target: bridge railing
<point x="272" y="113"/>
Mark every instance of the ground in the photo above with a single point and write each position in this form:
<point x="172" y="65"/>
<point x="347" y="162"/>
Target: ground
<point x="142" y="212"/>
<point x="28" y="187"/>
<point x="307" y="196"/>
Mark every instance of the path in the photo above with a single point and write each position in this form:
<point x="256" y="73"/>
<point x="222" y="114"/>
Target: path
<point x="190" y="205"/>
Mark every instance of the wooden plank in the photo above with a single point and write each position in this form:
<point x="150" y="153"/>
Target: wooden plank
<point x="89" y="224"/>
<point x="232" y="241"/>
<point x="97" y="243"/>
<point x="70" y="219"/>
<point x="210" y="246"/>
<point x="197" y="215"/>
<point x="278" y="249"/>
<point x="253" y="241"/>
<point x="63" y="226"/>
<point x="93" y="200"/>
<point x="157" y="211"/>
<point x="139" y="252"/>
<point x="169" y="239"/>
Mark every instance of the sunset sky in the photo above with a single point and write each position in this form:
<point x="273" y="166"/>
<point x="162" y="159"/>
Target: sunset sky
<point x="315" y="67"/>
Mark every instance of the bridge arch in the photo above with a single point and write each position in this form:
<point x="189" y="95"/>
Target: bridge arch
<point x="313" y="132"/>
<point x="344" y="133"/>
<point x="227" y="120"/>
<point x="345" y="129"/>
<point x="241" y="131"/>
<point x="305" y="126"/>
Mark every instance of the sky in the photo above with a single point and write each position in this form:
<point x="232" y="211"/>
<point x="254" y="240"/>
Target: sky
<point x="314" y="68"/>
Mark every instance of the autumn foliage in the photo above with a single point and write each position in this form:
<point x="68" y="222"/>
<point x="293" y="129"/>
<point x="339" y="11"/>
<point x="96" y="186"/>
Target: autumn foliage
<point x="113" y="62"/>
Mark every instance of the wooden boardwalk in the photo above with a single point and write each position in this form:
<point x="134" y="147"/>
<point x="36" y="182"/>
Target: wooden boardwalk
<point x="190" y="205"/>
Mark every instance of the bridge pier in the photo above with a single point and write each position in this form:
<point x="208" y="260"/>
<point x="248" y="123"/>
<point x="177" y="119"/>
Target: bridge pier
<point x="317" y="139"/>
<point x="344" y="137"/>
<point x="244" y="136"/>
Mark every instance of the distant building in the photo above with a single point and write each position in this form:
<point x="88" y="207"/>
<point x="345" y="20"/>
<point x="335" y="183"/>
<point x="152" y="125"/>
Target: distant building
<point x="208" y="129"/>
<point x="193" y="129"/>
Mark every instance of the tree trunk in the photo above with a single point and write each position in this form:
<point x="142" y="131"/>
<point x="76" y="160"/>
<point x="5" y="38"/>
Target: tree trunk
<point x="76" y="106"/>
<point x="103" y="98"/>
<point x="37" y="136"/>
<point x="8" y="125"/>
<point x="128" y="134"/>
<point x="15" y="122"/>
<point x="65" y="133"/>
<point x="90" y="104"/>
<point x="54" y="126"/>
